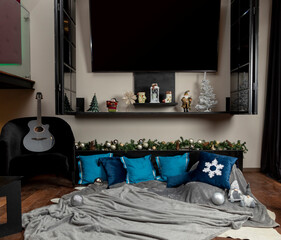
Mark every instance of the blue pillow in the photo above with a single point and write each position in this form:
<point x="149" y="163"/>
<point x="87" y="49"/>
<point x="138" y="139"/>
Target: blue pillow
<point x="175" y="181"/>
<point x="114" y="169"/>
<point x="138" y="169"/>
<point x="89" y="169"/>
<point x="172" y="165"/>
<point x="213" y="169"/>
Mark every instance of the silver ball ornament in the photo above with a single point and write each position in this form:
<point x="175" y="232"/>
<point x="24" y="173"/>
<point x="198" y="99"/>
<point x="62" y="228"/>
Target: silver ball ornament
<point x="98" y="181"/>
<point x="113" y="147"/>
<point x="145" y="145"/>
<point x="82" y="145"/>
<point x="108" y="144"/>
<point x="139" y="147"/>
<point x="191" y="140"/>
<point x="200" y="141"/>
<point x="115" y="141"/>
<point x="76" y="200"/>
<point x="218" y="198"/>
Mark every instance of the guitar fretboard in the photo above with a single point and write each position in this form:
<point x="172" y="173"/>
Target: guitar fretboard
<point x="39" y="119"/>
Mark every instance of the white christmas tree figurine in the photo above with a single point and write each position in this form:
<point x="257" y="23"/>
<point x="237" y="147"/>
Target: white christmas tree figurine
<point x="207" y="99"/>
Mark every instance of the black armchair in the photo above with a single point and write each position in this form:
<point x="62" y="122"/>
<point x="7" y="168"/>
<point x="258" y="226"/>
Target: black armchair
<point x="16" y="160"/>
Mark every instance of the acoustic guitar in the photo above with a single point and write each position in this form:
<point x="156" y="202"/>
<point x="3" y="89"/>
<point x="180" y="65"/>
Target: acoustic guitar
<point x="38" y="139"/>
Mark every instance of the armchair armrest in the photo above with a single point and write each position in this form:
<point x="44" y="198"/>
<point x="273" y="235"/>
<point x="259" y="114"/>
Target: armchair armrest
<point x="9" y="148"/>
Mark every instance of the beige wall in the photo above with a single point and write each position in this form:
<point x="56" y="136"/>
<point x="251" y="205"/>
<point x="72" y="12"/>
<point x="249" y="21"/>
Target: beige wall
<point x="17" y="103"/>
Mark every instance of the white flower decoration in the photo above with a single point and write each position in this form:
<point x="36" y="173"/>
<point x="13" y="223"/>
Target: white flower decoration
<point x="211" y="172"/>
<point x="129" y="97"/>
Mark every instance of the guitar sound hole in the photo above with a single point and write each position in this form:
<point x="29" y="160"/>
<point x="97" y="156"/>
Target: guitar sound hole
<point x="39" y="129"/>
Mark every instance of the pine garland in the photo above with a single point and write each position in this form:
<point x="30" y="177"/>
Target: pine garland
<point x="180" y="144"/>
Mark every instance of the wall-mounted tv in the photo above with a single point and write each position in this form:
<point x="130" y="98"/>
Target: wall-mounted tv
<point x="154" y="35"/>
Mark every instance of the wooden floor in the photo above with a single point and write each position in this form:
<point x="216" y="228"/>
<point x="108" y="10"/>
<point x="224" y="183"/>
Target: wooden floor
<point x="38" y="191"/>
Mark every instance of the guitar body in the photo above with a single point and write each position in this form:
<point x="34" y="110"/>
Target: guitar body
<point x="39" y="139"/>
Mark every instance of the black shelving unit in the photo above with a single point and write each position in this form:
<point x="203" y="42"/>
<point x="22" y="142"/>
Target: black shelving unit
<point x="165" y="81"/>
<point x="155" y="104"/>
<point x="147" y="114"/>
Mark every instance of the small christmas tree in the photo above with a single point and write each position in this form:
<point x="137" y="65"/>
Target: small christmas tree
<point x="67" y="106"/>
<point x="207" y="99"/>
<point x="94" y="107"/>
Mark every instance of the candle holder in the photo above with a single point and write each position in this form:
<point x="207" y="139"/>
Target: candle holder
<point x="154" y="93"/>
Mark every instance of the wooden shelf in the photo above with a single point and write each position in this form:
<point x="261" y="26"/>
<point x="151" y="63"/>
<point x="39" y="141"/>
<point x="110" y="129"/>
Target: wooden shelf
<point x="155" y="104"/>
<point x="10" y="81"/>
<point x="146" y="114"/>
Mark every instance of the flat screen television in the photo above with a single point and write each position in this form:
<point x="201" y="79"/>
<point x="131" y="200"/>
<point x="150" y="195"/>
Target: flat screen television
<point x="154" y="35"/>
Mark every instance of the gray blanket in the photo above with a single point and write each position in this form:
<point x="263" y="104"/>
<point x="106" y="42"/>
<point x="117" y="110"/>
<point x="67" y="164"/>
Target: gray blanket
<point x="140" y="212"/>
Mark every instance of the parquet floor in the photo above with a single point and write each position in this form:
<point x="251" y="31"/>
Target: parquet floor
<point x="38" y="191"/>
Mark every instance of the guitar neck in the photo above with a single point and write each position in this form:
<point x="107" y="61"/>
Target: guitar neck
<point x="39" y="118"/>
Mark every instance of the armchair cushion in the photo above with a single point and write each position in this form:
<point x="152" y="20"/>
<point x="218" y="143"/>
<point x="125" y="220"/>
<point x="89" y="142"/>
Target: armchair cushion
<point x="28" y="164"/>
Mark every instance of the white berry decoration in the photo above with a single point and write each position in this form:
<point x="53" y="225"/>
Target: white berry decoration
<point x="145" y="145"/>
<point x="139" y="147"/>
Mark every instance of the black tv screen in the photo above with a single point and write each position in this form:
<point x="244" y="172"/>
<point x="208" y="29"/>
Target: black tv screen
<point x="154" y="35"/>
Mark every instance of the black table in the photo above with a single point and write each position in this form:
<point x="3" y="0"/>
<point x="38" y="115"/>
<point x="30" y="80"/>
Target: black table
<point x="10" y="187"/>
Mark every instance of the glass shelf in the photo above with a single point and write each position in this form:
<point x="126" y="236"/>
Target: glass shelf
<point x="10" y="81"/>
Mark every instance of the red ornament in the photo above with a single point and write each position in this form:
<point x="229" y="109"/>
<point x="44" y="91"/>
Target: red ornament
<point x="112" y="105"/>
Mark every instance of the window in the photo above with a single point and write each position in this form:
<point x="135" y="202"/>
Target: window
<point x="244" y="43"/>
<point x="65" y="53"/>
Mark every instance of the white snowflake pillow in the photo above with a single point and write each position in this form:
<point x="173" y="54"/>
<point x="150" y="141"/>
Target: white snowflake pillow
<point x="214" y="169"/>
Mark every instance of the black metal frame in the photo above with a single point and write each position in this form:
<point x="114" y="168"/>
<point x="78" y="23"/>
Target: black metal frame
<point x="253" y="58"/>
<point x="59" y="83"/>
<point x="59" y="56"/>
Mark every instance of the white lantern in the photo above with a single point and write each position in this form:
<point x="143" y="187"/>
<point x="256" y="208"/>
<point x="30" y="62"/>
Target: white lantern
<point x="154" y="93"/>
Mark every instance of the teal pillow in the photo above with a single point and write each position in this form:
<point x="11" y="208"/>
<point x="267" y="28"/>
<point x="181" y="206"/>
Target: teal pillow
<point x="139" y="169"/>
<point x="172" y="165"/>
<point x="213" y="169"/>
<point x="89" y="170"/>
